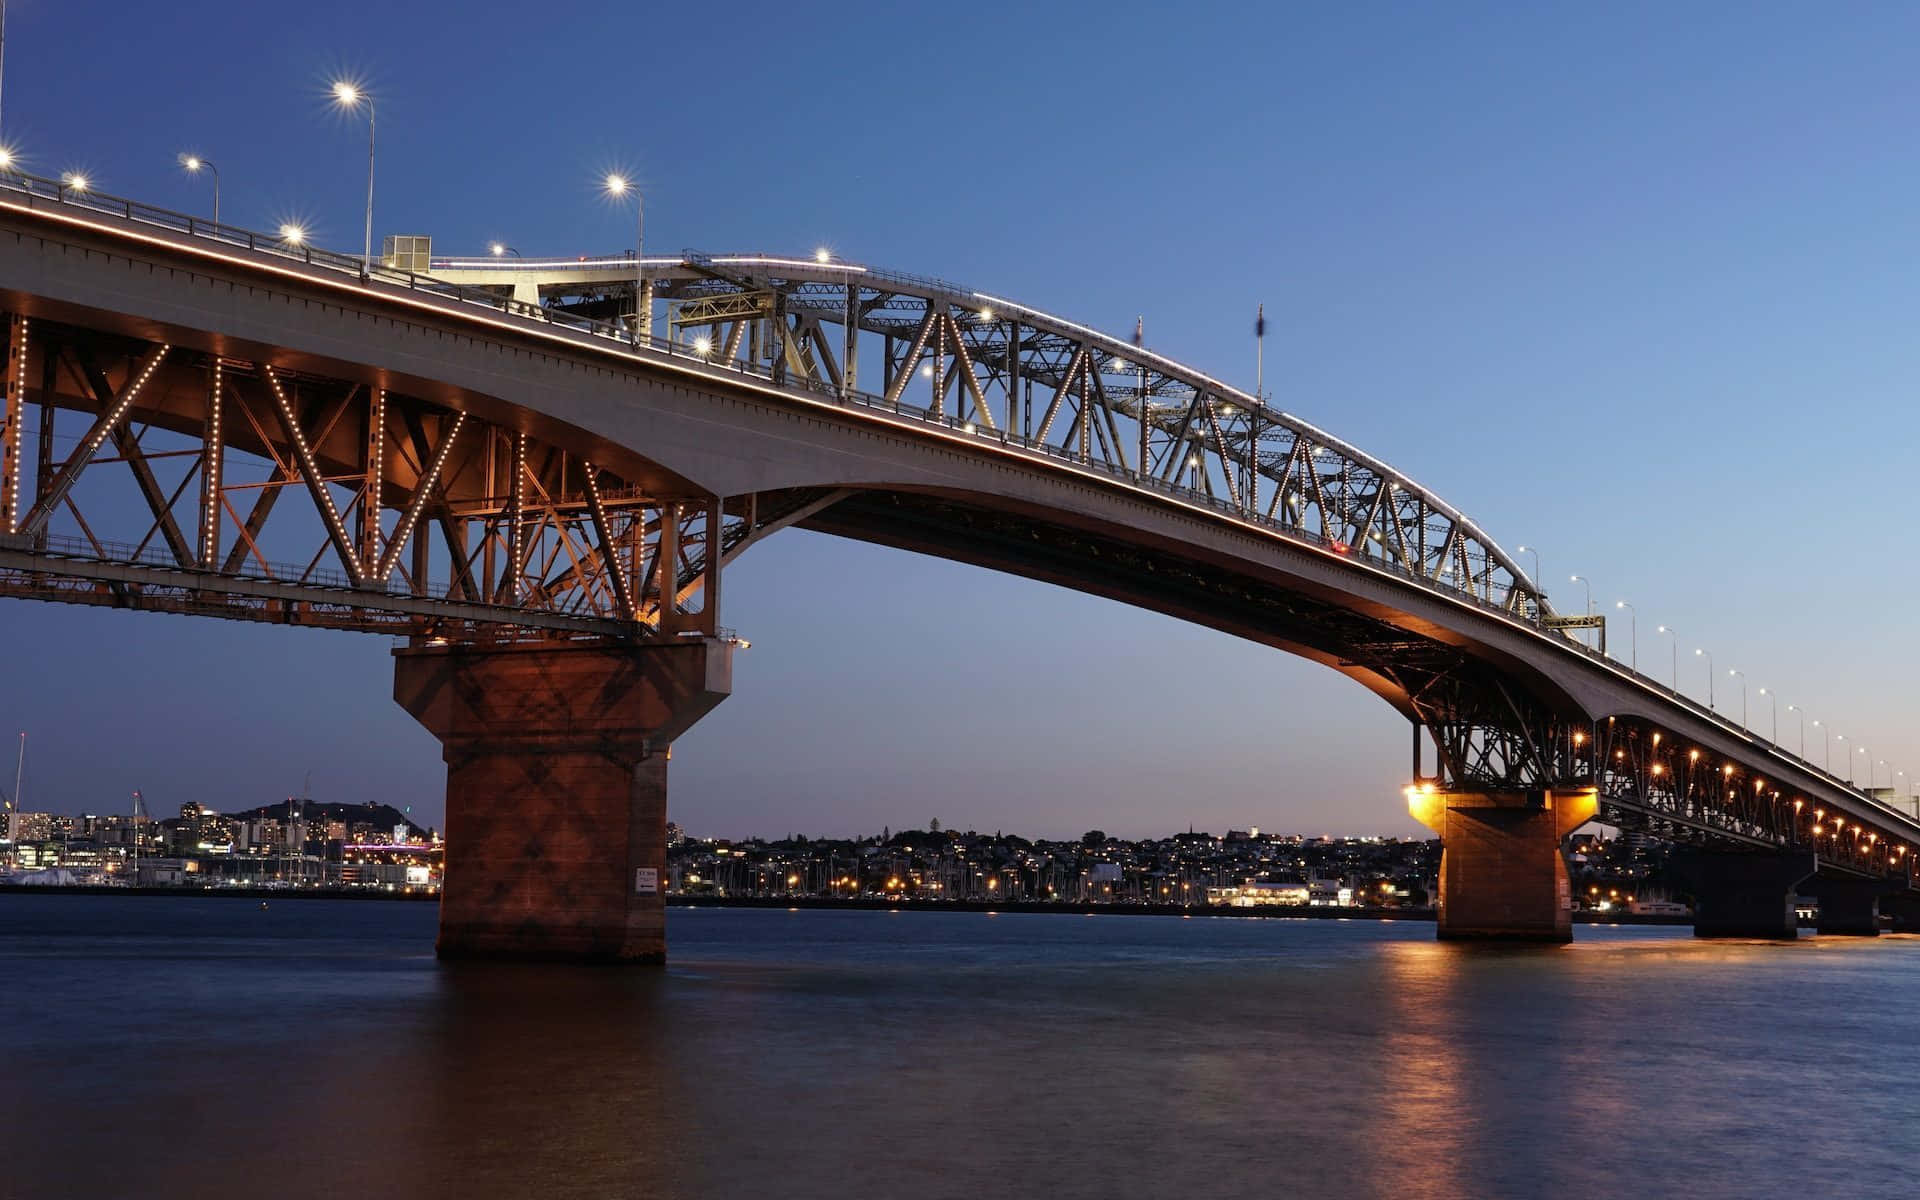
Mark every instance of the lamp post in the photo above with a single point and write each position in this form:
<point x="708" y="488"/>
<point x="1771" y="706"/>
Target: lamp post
<point x="1582" y="579"/>
<point x="498" y="249"/>
<point x="1841" y="737"/>
<point x="1699" y="653"/>
<point x="1633" y="626"/>
<point x="616" y="187"/>
<point x="1826" y="747"/>
<point x="1540" y="607"/>
<point x="1802" y="714"/>
<point x="348" y="96"/>
<point x="1675" y="636"/>
<point x="1773" y="699"/>
<point x="194" y="165"/>
<point x="1731" y="672"/>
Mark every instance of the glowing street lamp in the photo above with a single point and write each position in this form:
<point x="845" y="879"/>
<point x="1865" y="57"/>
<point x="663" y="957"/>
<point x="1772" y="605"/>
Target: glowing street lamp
<point x="1731" y="672"/>
<point x="1774" y="699"/>
<point x="1582" y="579"/>
<point x="349" y="95"/>
<point x="1699" y="653"/>
<point x="616" y="186"/>
<point x="293" y="235"/>
<point x="498" y="249"/>
<point x="194" y="165"/>
<point x="75" y="181"/>
<point x="1633" y="618"/>
<point x="1673" y="634"/>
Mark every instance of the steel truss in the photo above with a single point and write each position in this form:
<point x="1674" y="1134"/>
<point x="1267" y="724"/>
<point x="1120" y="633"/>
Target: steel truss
<point x="140" y="475"/>
<point x="994" y="367"/>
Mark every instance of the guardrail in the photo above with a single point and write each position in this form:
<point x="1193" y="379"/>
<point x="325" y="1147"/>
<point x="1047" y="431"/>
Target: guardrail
<point x="38" y="191"/>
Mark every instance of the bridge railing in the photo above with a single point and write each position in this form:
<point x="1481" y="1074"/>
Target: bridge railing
<point x="41" y="192"/>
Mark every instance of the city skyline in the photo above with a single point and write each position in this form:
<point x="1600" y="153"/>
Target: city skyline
<point x="1560" y="354"/>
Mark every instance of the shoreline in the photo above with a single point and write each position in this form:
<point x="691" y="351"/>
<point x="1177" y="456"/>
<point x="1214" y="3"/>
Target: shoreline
<point x="861" y="904"/>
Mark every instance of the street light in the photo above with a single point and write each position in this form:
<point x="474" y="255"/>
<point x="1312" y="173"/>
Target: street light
<point x="1633" y="619"/>
<point x="1582" y="579"/>
<point x="194" y="164"/>
<point x="75" y="181"/>
<point x="348" y="96"/>
<point x="1841" y="737"/>
<point x="499" y="248"/>
<point x="1699" y="653"/>
<point x="1773" y="698"/>
<point x="293" y="235"/>
<point x="616" y="187"/>
<point x="1671" y="633"/>
<point x="1826" y="748"/>
<point x="1731" y="672"/>
<point x="1540" y="606"/>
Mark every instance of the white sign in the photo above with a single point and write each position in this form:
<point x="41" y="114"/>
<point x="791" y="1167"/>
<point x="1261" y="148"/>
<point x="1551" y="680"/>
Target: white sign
<point x="646" y="880"/>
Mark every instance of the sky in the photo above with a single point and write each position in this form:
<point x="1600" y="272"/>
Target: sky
<point x="1632" y="283"/>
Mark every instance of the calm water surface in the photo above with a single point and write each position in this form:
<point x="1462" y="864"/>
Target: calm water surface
<point x="162" y="1047"/>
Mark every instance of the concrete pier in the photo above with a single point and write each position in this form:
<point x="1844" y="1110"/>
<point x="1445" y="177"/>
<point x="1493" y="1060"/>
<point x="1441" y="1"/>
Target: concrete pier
<point x="1503" y="875"/>
<point x="557" y="789"/>
<point x="1849" y="907"/>
<point x="1744" y="895"/>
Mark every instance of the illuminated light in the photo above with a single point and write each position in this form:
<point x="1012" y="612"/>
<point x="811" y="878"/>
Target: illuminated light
<point x="191" y="162"/>
<point x="616" y="185"/>
<point x="1193" y="460"/>
<point x="75" y="181"/>
<point x="823" y="255"/>
<point x="926" y="372"/>
<point x="763" y="260"/>
<point x="346" y="93"/>
<point x="703" y="345"/>
<point x="1693" y="756"/>
<point x="496" y="249"/>
<point x="1658" y="769"/>
<point x="6" y="158"/>
<point x="1579" y="739"/>
<point x="1121" y="364"/>
<point x="293" y="235"/>
<point x="967" y="428"/>
<point x="986" y="314"/>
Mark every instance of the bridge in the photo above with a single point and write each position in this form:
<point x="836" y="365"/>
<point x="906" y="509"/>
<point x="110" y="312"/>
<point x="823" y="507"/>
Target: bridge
<point x="535" y="472"/>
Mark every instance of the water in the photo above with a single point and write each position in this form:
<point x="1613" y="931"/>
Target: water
<point x="162" y="1047"/>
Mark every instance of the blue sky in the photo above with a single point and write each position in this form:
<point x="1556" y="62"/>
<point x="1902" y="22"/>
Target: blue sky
<point x="1629" y="282"/>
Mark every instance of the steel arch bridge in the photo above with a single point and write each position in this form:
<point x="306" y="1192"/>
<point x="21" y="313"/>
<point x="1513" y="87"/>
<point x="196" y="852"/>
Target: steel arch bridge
<point x="516" y="452"/>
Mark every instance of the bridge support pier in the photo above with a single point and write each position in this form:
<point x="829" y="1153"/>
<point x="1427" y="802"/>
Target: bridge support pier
<point x="1502" y="873"/>
<point x="1744" y="895"/>
<point x="1903" y="907"/>
<point x="557" y="789"/>
<point x="1849" y="907"/>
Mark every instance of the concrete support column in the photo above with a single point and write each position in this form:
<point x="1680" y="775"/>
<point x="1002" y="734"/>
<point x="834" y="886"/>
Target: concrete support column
<point x="1741" y="894"/>
<point x="1904" y="908"/>
<point x="1502" y="873"/>
<point x="557" y="789"/>
<point x="1849" y="907"/>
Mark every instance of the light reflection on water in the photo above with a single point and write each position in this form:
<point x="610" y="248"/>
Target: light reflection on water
<point x="318" y="1049"/>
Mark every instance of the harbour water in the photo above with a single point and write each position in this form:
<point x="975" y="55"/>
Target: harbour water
<point x="189" y="1047"/>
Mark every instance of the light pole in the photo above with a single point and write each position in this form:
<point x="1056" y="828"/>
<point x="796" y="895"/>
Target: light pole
<point x="1731" y="672"/>
<point x="1826" y="747"/>
<point x="1699" y="653"/>
<point x="1802" y="714"/>
<point x="1671" y="633"/>
<point x="1859" y="750"/>
<point x="616" y="187"/>
<point x="348" y="96"/>
<point x="193" y="163"/>
<point x="1582" y="579"/>
<point x="1540" y="607"/>
<point x="499" y="248"/>
<point x="1774" y="700"/>
<point x="1841" y="737"/>
<point x="1633" y="626"/>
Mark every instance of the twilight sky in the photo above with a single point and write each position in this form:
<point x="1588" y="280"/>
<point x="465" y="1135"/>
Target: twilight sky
<point x="1634" y="283"/>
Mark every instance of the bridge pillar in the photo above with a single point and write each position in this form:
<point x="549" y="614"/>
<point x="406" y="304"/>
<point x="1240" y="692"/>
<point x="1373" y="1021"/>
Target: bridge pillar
<point x="1502" y="873"/>
<point x="1849" y="907"/>
<point x="557" y="789"/>
<point x="1743" y="895"/>
<point x="1903" y="907"/>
